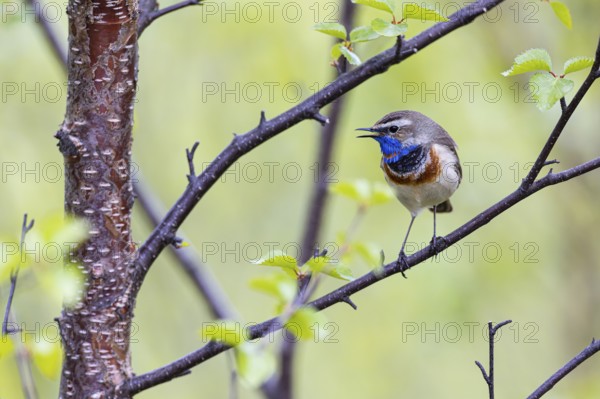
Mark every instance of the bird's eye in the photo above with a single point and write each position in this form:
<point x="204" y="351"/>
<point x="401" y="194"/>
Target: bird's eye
<point x="393" y="129"/>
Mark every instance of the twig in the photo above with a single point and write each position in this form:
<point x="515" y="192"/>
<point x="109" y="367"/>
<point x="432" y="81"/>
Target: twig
<point x="489" y="378"/>
<point x="322" y="119"/>
<point x="204" y="281"/>
<point x="562" y="122"/>
<point x="349" y="302"/>
<point x="22" y="354"/>
<point x="263" y="119"/>
<point x="399" y="41"/>
<point x="585" y="354"/>
<point x="190" y="158"/>
<point x="242" y="144"/>
<point x="14" y="274"/>
<point x="163" y="374"/>
<point x="147" y="18"/>
<point x="23" y="357"/>
<point x="233" y="377"/>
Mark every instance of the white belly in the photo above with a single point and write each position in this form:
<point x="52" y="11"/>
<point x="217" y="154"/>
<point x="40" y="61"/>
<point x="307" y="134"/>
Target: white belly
<point x="418" y="197"/>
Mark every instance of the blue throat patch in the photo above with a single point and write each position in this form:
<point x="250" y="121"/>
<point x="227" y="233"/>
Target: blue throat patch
<point x="401" y="159"/>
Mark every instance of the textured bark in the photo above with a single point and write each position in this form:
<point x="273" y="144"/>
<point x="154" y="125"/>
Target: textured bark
<point x="95" y="139"/>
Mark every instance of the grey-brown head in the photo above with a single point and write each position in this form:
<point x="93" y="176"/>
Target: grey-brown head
<point x="410" y="128"/>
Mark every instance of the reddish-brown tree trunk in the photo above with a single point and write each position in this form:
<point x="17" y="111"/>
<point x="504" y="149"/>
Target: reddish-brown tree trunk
<point x="95" y="139"/>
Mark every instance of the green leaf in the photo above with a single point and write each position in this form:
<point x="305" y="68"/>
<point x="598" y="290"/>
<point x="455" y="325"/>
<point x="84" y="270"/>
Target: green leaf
<point x="181" y="244"/>
<point x="331" y="267"/>
<point x="364" y="192"/>
<point x="306" y="323"/>
<point x="379" y="270"/>
<point x="278" y="259"/>
<point x="340" y="271"/>
<point x="422" y="12"/>
<point x="548" y="89"/>
<point x="230" y="332"/>
<point x="370" y="253"/>
<point x="385" y="5"/>
<point x="358" y="190"/>
<point x="577" y="64"/>
<point x="535" y="59"/>
<point x="254" y="364"/>
<point x="363" y="34"/>
<point x="562" y="12"/>
<point x="280" y="286"/>
<point x="381" y="193"/>
<point x="335" y="51"/>
<point x="332" y="29"/>
<point x="385" y="28"/>
<point x="350" y="56"/>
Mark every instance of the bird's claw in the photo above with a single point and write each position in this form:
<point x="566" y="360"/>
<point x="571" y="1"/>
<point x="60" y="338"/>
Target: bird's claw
<point x="403" y="263"/>
<point x="434" y="243"/>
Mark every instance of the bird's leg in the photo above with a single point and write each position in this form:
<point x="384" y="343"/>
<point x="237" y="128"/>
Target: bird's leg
<point x="402" y="256"/>
<point x="435" y="238"/>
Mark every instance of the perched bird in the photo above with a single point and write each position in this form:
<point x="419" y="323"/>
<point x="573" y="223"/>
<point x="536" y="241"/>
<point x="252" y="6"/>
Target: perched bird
<point x="419" y="162"/>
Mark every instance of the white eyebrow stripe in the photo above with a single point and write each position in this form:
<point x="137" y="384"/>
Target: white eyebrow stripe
<point x="397" y="122"/>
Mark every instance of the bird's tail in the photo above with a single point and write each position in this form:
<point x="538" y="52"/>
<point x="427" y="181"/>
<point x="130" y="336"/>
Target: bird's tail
<point x="444" y="207"/>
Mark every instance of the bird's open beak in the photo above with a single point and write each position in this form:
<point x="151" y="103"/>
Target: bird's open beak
<point x="368" y="129"/>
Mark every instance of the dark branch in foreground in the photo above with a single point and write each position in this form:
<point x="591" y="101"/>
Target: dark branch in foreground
<point x="585" y="354"/>
<point x="242" y="144"/>
<point x="168" y="372"/>
<point x="489" y="377"/>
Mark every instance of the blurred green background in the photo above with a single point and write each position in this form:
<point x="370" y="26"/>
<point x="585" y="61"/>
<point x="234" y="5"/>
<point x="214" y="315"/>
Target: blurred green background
<point x="205" y="73"/>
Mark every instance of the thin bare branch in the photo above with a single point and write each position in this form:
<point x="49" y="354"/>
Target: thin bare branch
<point x="9" y="324"/>
<point x="489" y="377"/>
<point x="585" y="354"/>
<point x="263" y="118"/>
<point x="14" y="274"/>
<point x="190" y="158"/>
<point x="322" y="119"/>
<point x="562" y="122"/>
<point x="152" y="14"/>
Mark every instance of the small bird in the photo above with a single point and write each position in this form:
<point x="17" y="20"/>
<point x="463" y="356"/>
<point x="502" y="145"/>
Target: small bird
<point x="419" y="162"/>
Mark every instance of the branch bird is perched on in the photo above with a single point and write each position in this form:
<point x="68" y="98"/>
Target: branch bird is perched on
<point x="419" y="162"/>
